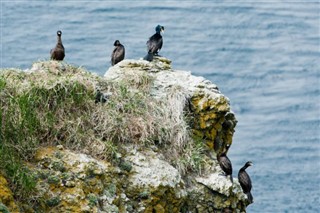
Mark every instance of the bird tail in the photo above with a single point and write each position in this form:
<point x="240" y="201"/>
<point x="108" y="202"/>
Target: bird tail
<point x="250" y="198"/>
<point x="148" y="57"/>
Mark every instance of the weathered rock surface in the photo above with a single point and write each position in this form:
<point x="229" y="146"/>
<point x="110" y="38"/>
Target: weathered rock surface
<point x="142" y="179"/>
<point x="72" y="182"/>
<point x="212" y="118"/>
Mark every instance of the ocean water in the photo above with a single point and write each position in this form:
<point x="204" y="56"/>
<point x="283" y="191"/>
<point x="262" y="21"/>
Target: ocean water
<point x="263" y="55"/>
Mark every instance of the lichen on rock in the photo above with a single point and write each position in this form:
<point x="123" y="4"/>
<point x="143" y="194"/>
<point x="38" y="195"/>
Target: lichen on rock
<point x="211" y="118"/>
<point x="149" y="145"/>
<point x="7" y="202"/>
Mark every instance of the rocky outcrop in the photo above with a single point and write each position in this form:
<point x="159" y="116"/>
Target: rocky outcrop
<point x="148" y="143"/>
<point x="212" y="119"/>
<point x="143" y="182"/>
<point x="78" y="183"/>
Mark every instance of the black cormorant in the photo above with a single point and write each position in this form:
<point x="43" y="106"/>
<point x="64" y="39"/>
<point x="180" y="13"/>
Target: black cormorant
<point x="57" y="53"/>
<point x="118" y="53"/>
<point x="155" y="42"/>
<point x="225" y="163"/>
<point x="100" y="97"/>
<point x="245" y="181"/>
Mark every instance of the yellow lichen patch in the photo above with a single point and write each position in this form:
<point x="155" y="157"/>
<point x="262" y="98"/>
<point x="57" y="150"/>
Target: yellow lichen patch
<point x="159" y="209"/>
<point x="202" y="123"/>
<point x="93" y="185"/>
<point x="203" y="104"/>
<point x="217" y="127"/>
<point x="198" y="133"/>
<point x="210" y="144"/>
<point x="6" y="196"/>
<point x="210" y="134"/>
<point x="196" y="103"/>
<point x="213" y="133"/>
<point x="229" y="137"/>
<point x="223" y="105"/>
<point x="209" y="116"/>
<point x="149" y="209"/>
<point x="44" y="152"/>
<point x="67" y="207"/>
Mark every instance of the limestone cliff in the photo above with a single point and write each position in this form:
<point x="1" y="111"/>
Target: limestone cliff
<point x="143" y="138"/>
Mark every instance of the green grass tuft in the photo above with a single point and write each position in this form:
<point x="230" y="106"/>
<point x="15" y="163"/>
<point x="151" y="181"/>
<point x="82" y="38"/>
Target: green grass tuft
<point x="3" y="208"/>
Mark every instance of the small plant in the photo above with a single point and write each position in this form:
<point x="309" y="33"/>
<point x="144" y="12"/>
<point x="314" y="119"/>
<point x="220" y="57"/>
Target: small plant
<point x="93" y="200"/>
<point x="192" y="158"/>
<point x="52" y="179"/>
<point x="125" y="165"/>
<point x="144" y="195"/>
<point x="66" y="176"/>
<point x="22" y="180"/>
<point x="43" y="174"/>
<point x="111" y="190"/>
<point x="3" y="208"/>
<point x="58" y="154"/>
<point x="111" y="151"/>
<point x="58" y="166"/>
<point x="53" y="201"/>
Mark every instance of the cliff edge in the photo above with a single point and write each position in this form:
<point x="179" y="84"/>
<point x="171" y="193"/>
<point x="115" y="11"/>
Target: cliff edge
<point x="143" y="138"/>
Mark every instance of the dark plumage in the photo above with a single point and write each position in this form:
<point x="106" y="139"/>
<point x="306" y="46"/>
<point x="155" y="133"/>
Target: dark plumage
<point x="57" y="53"/>
<point x="155" y="42"/>
<point x="245" y="181"/>
<point x="148" y="57"/>
<point x="100" y="97"/>
<point x="118" y="53"/>
<point x="225" y="163"/>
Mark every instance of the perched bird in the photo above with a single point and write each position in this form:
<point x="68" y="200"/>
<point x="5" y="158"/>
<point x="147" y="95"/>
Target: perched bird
<point x="245" y="181"/>
<point x="101" y="97"/>
<point x="225" y="163"/>
<point x="57" y="53"/>
<point x="118" y="53"/>
<point x="155" y="42"/>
